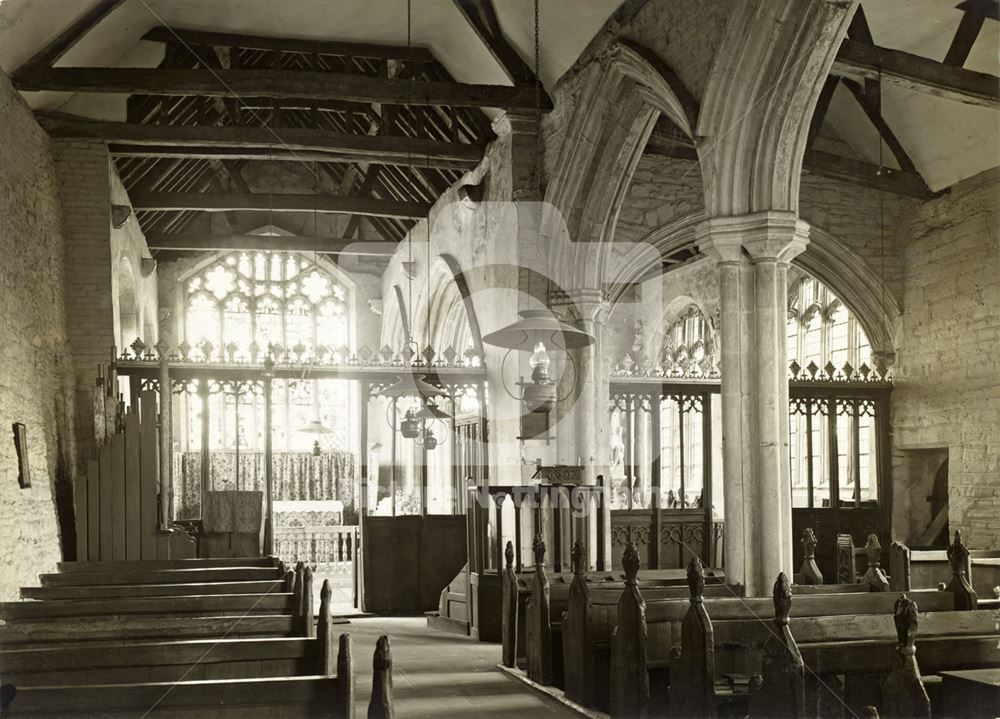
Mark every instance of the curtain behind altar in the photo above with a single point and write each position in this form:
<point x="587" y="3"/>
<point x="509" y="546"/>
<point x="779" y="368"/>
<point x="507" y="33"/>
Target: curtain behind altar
<point x="296" y="476"/>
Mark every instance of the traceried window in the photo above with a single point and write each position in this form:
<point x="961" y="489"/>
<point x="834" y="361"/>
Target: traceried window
<point x="243" y="306"/>
<point x="822" y="330"/>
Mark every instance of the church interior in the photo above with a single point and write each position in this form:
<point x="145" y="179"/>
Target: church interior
<point x="454" y="358"/>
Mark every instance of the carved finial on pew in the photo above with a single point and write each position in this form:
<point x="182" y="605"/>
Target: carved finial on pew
<point x="380" y="705"/>
<point x="869" y="712"/>
<point x="960" y="585"/>
<point x="903" y="692"/>
<point x="324" y="633"/>
<point x="810" y="572"/>
<point x="904" y="616"/>
<point x="692" y="665"/>
<point x="630" y="564"/>
<point x="346" y="680"/>
<point x="577" y="557"/>
<point x="508" y="623"/>
<point x="629" y="677"/>
<point x="874" y="576"/>
<point x="782" y="596"/>
<point x="538" y="547"/>
<point x="696" y="580"/>
<point x="899" y="567"/>
<point x="306" y="605"/>
<point x="782" y="690"/>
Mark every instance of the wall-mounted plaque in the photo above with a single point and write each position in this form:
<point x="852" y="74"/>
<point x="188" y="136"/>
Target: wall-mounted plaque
<point x="21" y="445"/>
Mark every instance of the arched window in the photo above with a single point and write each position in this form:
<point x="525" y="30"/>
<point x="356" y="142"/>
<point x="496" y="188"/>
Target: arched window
<point x="822" y="330"/>
<point x="245" y="304"/>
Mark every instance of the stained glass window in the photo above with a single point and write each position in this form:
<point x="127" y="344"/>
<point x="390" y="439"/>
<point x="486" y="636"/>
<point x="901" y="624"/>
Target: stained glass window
<point x="245" y="304"/>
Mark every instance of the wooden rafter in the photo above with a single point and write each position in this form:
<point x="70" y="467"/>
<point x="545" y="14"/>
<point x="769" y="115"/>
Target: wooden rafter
<point x="64" y="41"/>
<point x="860" y="62"/>
<point x="276" y="84"/>
<point x="236" y="242"/>
<point x="822" y="105"/>
<point x="265" y="202"/>
<point x="310" y="47"/>
<point x="263" y="143"/>
<point x="872" y="108"/>
<point x="974" y="14"/>
<point x="482" y="18"/>
<point x="823" y="164"/>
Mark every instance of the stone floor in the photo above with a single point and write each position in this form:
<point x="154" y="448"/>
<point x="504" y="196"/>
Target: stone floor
<point x="440" y="675"/>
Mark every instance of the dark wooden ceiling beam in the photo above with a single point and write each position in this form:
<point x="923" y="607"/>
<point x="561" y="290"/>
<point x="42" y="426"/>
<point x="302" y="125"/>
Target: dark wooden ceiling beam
<point x="823" y="164"/>
<point x="320" y="47"/>
<point x="267" y="202"/>
<point x="822" y="105"/>
<point x="872" y="109"/>
<point x="64" y="41"/>
<point x="230" y="243"/>
<point x="974" y="14"/>
<point x="277" y="84"/>
<point x="262" y="142"/>
<point x="482" y="18"/>
<point x="861" y="62"/>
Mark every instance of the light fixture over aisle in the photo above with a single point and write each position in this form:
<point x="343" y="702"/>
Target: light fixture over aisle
<point x="417" y="424"/>
<point x="539" y="331"/>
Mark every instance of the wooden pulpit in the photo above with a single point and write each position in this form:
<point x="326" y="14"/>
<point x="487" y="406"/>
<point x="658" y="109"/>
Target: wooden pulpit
<point x="232" y="522"/>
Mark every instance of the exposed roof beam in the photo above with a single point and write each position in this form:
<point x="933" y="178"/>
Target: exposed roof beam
<point x="260" y="142"/>
<point x="320" y="47"/>
<point x="819" y="163"/>
<point x="222" y="243"/>
<point x="822" y="105"/>
<point x="265" y="202"/>
<point x="860" y="62"/>
<point x="872" y="108"/>
<point x="482" y="18"/>
<point x="900" y="182"/>
<point x="65" y="40"/>
<point x="277" y="84"/>
<point x="974" y="15"/>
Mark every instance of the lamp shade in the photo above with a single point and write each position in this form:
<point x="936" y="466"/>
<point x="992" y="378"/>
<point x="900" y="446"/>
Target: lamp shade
<point x="430" y="411"/>
<point x="536" y="326"/>
<point x="412" y="386"/>
<point x="314" y="427"/>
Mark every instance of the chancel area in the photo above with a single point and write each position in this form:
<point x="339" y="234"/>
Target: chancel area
<point x="490" y="358"/>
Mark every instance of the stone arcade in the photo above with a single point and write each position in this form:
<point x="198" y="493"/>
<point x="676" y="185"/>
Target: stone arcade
<point x="451" y="358"/>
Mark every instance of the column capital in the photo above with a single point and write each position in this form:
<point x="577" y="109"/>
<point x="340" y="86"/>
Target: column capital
<point x="590" y="304"/>
<point x="515" y="122"/>
<point x="764" y="236"/>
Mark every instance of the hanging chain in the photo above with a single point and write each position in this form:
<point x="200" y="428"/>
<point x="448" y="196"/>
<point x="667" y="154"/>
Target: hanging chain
<point x="409" y="167"/>
<point x="538" y="114"/>
<point x="881" y="205"/>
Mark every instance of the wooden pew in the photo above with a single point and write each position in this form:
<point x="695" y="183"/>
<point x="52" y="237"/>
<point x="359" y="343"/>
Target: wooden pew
<point x="171" y="660"/>
<point x="747" y="639"/>
<point x="587" y="626"/>
<point x="325" y="685"/>
<point x="915" y="568"/>
<point x="876" y="656"/>
<point x="847" y="559"/>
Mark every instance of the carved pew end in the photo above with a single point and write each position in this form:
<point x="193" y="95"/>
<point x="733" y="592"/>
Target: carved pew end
<point x="380" y="705"/>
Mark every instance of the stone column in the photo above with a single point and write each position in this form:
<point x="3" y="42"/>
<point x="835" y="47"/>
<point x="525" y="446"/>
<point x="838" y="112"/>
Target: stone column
<point x="753" y="252"/>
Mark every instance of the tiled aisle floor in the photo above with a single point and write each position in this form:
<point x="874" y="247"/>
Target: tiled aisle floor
<point x="439" y="675"/>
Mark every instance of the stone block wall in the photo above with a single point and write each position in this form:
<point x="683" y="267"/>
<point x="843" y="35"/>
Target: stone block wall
<point x="948" y="367"/>
<point x="82" y="167"/>
<point x="35" y="368"/>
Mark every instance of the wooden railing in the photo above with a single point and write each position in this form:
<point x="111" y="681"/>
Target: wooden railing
<point x="329" y="547"/>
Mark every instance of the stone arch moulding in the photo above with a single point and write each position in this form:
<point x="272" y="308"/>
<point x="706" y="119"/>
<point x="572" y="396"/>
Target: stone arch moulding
<point x="446" y="267"/>
<point x="827" y="259"/>
<point x="625" y="90"/>
<point x="761" y="94"/>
